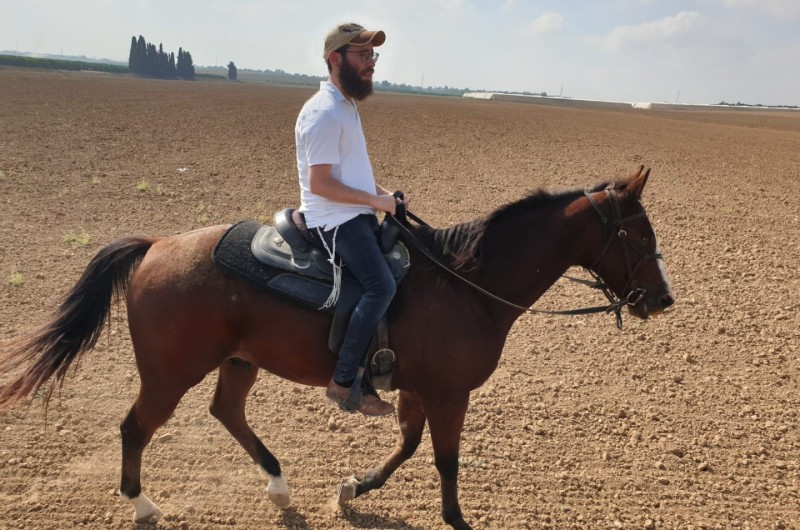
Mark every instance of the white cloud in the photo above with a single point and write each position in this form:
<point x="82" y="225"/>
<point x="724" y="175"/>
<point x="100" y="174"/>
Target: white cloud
<point x="776" y="8"/>
<point x="549" y="22"/>
<point x="456" y="5"/>
<point x="779" y="57"/>
<point x="660" y="30"/>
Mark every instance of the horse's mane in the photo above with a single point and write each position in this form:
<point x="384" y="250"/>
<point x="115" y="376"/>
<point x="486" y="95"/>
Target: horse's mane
<point x="460" y="245"/>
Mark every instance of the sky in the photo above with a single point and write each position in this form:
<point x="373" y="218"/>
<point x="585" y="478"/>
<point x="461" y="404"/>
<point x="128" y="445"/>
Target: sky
<point x="688" y="51"/>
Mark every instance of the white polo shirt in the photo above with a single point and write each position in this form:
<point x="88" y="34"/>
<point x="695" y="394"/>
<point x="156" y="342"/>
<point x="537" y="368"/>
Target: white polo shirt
<point x="328" y="131"/>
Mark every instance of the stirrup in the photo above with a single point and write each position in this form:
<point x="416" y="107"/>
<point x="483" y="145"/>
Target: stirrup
<point x="381" y="367"/>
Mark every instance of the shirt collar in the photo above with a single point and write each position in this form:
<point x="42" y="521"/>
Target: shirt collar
<point x="332" y="89"/>
<point x="329" y="87"/>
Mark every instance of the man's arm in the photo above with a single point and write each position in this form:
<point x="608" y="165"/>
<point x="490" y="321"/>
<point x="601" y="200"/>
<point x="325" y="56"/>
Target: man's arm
<point x="380" y="190"/>
<point x="323" y="184"/>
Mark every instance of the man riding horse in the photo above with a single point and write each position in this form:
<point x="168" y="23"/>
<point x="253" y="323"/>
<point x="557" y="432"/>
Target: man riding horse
<point x="339" y="196"/>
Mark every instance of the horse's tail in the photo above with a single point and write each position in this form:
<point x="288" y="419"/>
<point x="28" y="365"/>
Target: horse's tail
<point x="76" y="325"/>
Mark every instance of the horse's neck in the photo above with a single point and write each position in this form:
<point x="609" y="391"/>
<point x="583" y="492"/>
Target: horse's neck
<point x="524" y="257"/>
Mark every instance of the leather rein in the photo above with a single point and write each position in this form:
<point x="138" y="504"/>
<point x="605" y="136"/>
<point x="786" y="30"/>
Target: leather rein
<point x="615" y="230"/>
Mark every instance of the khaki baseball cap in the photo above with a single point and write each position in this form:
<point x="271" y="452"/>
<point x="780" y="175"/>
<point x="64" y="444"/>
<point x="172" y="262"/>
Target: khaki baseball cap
<point x="351" y="33"/>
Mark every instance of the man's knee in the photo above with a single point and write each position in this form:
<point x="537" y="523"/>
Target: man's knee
<point x="389" y="289"/>
<point x="384" y="290"/>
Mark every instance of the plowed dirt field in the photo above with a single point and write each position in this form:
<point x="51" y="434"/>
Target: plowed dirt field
<point x="686" y="421"/>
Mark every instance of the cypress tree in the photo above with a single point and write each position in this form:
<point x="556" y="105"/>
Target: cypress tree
<point x="146" y="59"/>
<point x="185" y="67"/>
<point x="133" y="56"/>
<point x="163" y="61"/>
<point x="232" y="72"/>
<point x="152" y="60"/>
<point x="141" y="54"/>
<point x="189" y="66"/>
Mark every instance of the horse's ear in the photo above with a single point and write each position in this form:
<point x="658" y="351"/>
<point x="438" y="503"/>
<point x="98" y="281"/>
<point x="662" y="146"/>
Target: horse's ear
<point x="637" y="182"/>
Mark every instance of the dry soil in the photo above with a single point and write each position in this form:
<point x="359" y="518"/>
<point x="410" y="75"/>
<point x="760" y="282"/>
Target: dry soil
<point x="686" y="421"/>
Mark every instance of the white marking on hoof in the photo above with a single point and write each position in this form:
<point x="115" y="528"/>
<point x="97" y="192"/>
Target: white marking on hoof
<point x="347" y="490"/>
<point x="146" y="511"/>
<point x="277" y="490"/>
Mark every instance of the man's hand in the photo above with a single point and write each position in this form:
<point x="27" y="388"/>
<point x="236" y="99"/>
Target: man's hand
<point x="384" y="203"/>
<point x="401" y="199"/>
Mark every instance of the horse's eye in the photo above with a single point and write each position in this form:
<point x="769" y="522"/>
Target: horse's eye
<point x="646" y="240"/>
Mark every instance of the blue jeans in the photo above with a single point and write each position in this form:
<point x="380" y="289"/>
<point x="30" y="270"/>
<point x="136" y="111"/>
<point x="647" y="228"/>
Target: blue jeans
<point x="357" y="247"/>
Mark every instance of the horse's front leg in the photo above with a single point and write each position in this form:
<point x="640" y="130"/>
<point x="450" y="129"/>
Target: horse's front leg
<point x="412" y="423"/>
<point x="446" y="420"/>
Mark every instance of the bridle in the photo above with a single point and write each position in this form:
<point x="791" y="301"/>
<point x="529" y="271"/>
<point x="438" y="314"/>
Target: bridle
<point x="613" y="226"/>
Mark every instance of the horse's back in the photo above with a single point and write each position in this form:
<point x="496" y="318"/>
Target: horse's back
<point x="182" y="308"/>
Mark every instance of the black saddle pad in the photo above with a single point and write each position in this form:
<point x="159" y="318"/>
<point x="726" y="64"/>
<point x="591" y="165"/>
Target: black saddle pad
<point x="233" y="254"/>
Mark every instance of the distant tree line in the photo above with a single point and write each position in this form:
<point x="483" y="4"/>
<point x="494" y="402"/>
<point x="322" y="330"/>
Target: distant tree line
<point x="282" y="77"/>
<point x="146" y="59"/>
<point x="56" y="64"/>
<point x="740" y="104"/>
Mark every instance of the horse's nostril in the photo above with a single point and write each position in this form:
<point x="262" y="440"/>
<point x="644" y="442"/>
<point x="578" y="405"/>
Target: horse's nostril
<point x="667" y="300"/>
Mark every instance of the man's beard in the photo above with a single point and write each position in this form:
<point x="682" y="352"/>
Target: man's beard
<point x="352" y="84"/>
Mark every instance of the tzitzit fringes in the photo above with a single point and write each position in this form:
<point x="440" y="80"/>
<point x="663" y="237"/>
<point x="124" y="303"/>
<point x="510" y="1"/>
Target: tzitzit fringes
<point x="337" y="271"/>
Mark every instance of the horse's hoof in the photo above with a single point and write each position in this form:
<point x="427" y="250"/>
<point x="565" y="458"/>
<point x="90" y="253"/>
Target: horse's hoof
<point x="152" y="517"/>
<point x="146" y="512"/>
<point x="347" y="490"/>
<point x="460" y="524"/>
<point x="281" y="500"/>
<point x="278" y="492"/>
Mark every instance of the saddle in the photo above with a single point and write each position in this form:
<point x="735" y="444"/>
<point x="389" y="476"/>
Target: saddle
<point x="290" y="245"/>
<point x="290" y="260"/>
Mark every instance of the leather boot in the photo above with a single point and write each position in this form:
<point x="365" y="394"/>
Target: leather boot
<point x="369" y="404"/>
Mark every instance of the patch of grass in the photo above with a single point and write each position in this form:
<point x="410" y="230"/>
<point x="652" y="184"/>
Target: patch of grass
<point x="143" y="186"/>
<point x="95" y="180"/>
<point x="16" y="279"/>
<point x="78" y="240"/>
<point x="204" y="213"/>
<point x="261" y="215"/>
<point x="2" y="175"/>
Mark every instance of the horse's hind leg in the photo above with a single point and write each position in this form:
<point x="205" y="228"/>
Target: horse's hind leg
<point x="412" y="423"/>
<point x="150" y="411"/>
<point x="236" y="378"/>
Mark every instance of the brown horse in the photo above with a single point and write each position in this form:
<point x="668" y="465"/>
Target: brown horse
<point x="188" y="318"/>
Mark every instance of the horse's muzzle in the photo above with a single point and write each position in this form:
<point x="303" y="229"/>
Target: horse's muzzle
<point x="650" y="306"/>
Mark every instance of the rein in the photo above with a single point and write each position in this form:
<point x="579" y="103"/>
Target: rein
<point x="633" y="297"/>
